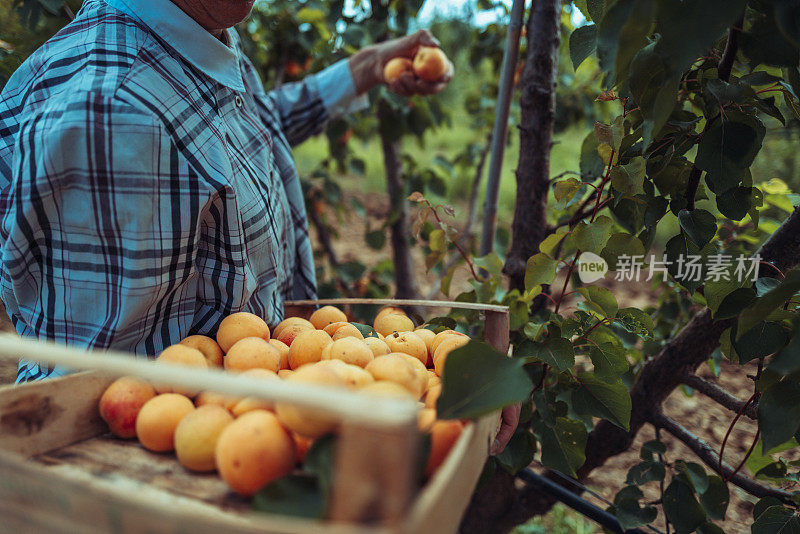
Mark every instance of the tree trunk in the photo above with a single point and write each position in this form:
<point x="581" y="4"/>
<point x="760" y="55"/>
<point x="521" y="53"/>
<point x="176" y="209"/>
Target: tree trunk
<point x="537" y="102"/>
<point x="401" y="248"/>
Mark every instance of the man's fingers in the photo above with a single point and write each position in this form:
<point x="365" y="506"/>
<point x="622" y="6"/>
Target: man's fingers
<point x="426" y="38"/>
<point x="510" y="417"/>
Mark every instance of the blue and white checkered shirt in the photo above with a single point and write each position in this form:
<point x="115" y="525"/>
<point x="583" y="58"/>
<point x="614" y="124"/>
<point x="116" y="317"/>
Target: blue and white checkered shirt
<point x="147" y="187"/>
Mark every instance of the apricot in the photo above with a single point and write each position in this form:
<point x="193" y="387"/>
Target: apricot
<point x="427" y="337"/>
<point x="432" y="395"/>
<point x="430" y="63"/>
<point x="288" y="322"/>
<point x="248" y="404"/>
<point x="353" y="375"/>
<point x="239" y="326"/>
<point x="395" y="368"/>
<point x="283" y="350"/>
<point x="120" y="404"/>
<point x="197" y="434"/>
<point x="392" y="322"/>
<point x="349" y="350"/>
<point x="389" y="310"/>
<point x="441" y="336"/>
<point x="425" y="419"/>
<point x="252" y="353"/>
<point x="307" y="347"/>
<point x="408" y="343"/>
<point x="158" y="419"/>
<point x="206" y="398"/>
<point x="347" y="330"/>
<point x="433" y="378"/>
<point x="377" y="346"/>
<point x="290" y="333"/>
<point x="385" y="388"/>
<point x="331" y="328"/>
<point x="327" y="315"/>
<point x="253" y="451"/>
<point x="181" y="355"/>
<point x="444" y="435"/>
<point x="207" y="346"/>
<point x="302" y="444"/>
<point x="305" y="421"/>
<point x="395" y="68"/>
<point x="419" y="369"/>
<point x="284" y="373"/>
<point x="445" y="348"/>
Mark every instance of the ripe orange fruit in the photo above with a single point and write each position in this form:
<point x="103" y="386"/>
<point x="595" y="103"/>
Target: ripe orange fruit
<point x="283" y="350"/>
<point x="252" y="353"/>
<point x="347" y="330"/>
<point x="307" y="347"/>
<point x="392" y="322"/>
<point x="442" y="336"/>
<point x="444" y="435"/>
<point x="305" y="421"/>
<point x="253" y="451"/>
<point x="158" y="419"/>
<point x="121" y="402"/>
<point x="425" y="419"/>
<point x="430" y="63"/>
<point x="288" y="322"/>
<point x="284" y="373"/>
<point x="239" y="326"/>
<point x="331" y="328"/>
<point x="445" y="348"/>
<point x="432" y="395"/>
<point x="433" y="378"/>
<point x="385" y="388"/>
<point x="327" y="315"/>
<point x="395" y="368"/>
<point x="377" y="346"/>
<point x="181" y="355"/>
<point x="408" y="343"/>
<point x="248" y="404"/>
<point x="207" y="346"/>
<point x="197" y="434"/>
<point x="206" y="398"/>
<point x="349" y="350"/>
<point x="291" y="331"/>
<point x="427" y="336"/>
<point x="389" y="310"/>
<point x="395" y="68"/>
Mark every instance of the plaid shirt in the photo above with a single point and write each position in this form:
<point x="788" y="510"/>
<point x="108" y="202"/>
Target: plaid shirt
<point x="147" y="187"/>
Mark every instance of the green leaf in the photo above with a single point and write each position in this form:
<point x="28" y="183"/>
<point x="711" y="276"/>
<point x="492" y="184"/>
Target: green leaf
<point x="728" y="147"/>
<point x="734" y="302"/>
<point x="519" y="452"/>
<point x="636" y="322"/>
<point x="478" y="380"/>
<point x="621" y="244"/>
<point x="736" y="202"/>
<point x="592" y="237"/>
<point x="771" y="300"/>
<point x="554" y="351"/>
<point x="699" y="225"/>
<point x="366" y="330"/>
<point x="582" y="44"/>
<point x="596" y="9"/>
<point x="563" y="445"/>
<point x="762" y="505"/>
<point x="787" y="360"/>
<point x="765" y="338"/>
<point x="567" y="192"/>
<point x="654" y="87"/>
<point x="541" y="269"/>
<point x="629" y="514"/>
<point x="644" y="472"/>
<point x="549" y="244"/>
<point x="621" y="33"/>
<point x="600" y="300"/>
<point x="319" y="461"/>
<point x="491" y="263"/>
<point x="629" y="178"/>
<point x="611" y="402"/>
<point x="591" y="164"/>
<point x="375" y="239"/>
<point x="609" y="361"/>
<point x="695" y="473"/>
<point x="681" y="507"/>
<point x="766" y="44"/>
<point x="292" y="495"/>
<point x="779" y="413"/>
<point x="776" y="520"/>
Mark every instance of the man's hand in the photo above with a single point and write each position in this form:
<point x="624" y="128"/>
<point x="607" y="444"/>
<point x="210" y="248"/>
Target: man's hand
<point x="508" y="425"/>
<point x="367" y="65"/>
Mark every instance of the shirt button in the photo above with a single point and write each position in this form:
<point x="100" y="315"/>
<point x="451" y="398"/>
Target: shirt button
<point x="238" y="101"/>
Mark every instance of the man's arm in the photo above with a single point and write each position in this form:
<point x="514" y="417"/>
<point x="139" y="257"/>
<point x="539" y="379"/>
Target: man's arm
<point x="97" y="240"/>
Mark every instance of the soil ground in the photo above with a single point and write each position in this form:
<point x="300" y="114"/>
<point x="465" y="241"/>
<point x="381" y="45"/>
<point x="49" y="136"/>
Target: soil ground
<point x="699" y="414"/>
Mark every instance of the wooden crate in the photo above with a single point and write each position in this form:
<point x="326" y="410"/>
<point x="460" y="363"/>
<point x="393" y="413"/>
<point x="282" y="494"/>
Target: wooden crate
<point x="60" y="471"/>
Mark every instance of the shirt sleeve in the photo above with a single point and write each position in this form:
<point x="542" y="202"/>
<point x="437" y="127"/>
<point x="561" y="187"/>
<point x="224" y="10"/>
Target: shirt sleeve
<point x="97" y="240"/>
<point x="304" y="107"/>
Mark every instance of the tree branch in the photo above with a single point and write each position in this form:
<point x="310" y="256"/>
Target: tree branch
<point x="324" y="237"/>
<point x="710" y="457"/>
<point x="720" y="396"/>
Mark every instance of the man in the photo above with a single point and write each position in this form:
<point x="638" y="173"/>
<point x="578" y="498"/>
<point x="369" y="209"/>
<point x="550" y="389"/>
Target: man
<point x="147" y="187"/>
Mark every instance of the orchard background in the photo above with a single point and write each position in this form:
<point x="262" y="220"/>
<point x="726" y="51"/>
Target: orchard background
<point x="659" y="127"/>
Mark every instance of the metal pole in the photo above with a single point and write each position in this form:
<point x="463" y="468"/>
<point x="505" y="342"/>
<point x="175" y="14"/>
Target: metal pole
<point x="582" y="506"/>
<point x="510" y="56"/>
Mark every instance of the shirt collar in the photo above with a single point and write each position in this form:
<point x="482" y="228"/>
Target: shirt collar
<point x="188" y="38"/>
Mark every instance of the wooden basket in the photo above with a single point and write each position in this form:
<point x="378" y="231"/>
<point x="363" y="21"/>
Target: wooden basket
<point x="61" y="472"/>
